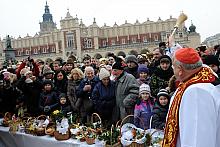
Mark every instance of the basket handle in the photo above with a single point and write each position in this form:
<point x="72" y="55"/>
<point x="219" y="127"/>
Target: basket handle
<point x="131" y="116"/>
<point x="93" y="114"/>
<point x="41" y="116"/>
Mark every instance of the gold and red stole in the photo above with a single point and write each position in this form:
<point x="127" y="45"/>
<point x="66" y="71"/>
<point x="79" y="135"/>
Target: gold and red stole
<point x="205" y="75"/>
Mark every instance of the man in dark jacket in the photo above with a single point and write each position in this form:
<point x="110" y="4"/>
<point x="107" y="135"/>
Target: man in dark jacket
<point x="132" y="65"/>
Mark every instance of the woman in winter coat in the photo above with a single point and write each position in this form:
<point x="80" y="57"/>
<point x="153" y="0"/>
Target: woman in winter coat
<point x="60" y="82"/>
<point x="161" y="76"/>
<point x="103" y="96"/>
<point x="74" y="80"/>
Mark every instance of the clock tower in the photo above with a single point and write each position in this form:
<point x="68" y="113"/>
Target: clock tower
<point x="47" y="25"/>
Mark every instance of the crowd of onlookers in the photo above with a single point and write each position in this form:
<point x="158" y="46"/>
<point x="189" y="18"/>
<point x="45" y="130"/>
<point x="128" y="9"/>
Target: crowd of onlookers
<point x="113" y="87"/>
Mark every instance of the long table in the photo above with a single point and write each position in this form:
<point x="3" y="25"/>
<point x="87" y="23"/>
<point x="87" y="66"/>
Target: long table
<point x="26" y="140"/>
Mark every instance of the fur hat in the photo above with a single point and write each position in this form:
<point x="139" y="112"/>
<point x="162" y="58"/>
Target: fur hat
<point x="47" y="70"/>
<point x="131" y="58"/>
<point x="144" y="88"/>
<point x="103" y="73"/>
<point x="163" y="92"/>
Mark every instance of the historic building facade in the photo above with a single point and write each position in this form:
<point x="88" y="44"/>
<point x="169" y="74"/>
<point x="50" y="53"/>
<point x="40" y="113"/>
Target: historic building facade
<point x="212" y="40"/>
<point x="74" y="38"/>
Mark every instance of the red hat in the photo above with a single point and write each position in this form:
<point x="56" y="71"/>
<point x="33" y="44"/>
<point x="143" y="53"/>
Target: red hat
<point x="187" y="55"/>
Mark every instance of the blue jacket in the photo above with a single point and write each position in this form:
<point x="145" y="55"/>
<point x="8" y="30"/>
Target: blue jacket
<point x="104" y="99"/>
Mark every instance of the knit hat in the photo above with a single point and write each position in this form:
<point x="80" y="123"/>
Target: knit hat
<point x="119" y="64"/>
<point x="163" y="92"/>
<point x="131" y="58"/>
<point x="104" y="73"/>
<point x="187" y="55"/>
<point x="47" y="70"/>
<point x="62" y="95"/>
<point x="50" y="82"/>
<point x="142" y="68"/>
<point x="144" y="88"/>
<point x="210" y="59"/>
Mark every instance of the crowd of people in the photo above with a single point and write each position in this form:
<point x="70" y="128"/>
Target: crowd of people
<point x="113" y="87"/>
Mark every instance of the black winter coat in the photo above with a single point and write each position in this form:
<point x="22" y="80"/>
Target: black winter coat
<point x="159" y="116"/>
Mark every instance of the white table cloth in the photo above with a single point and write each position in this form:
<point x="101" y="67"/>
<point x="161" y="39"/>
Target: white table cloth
<point x="26" y="140"/>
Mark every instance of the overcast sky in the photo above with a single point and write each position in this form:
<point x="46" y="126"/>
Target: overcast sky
<point x="19" y="17"/>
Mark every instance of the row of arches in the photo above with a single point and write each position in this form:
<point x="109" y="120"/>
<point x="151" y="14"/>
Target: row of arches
<point x="122" y="53"/>
<point x="98" y="55"/>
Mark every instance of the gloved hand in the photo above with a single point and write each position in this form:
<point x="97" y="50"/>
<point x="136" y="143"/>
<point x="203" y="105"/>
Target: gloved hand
<point x="46" y="108"/>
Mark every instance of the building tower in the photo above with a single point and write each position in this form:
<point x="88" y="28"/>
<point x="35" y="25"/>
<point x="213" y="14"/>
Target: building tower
<point x="47" y="25"/>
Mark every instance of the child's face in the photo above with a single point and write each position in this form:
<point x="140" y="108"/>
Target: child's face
<point x="60" y="76"/>
<point x="62" y="100"/>
<point x="145" y="96"/>
<point x="163" y="100"/>
<point x="47" y="87"/>
<point x="143" y="75"/>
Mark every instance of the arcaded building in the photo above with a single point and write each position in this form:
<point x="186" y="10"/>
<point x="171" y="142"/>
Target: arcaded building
<point x="74" y="38"/>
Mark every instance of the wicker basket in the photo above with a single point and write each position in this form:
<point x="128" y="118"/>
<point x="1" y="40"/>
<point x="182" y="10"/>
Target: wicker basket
<point x="61" y="137"/>
<point x="6" y="120"/>
<point x="41" y="130"/>
<point x="97" y="131"/>
<point x="28" y="126"/>
<point x="50" y="129"/>
<point x="133" y="144"/>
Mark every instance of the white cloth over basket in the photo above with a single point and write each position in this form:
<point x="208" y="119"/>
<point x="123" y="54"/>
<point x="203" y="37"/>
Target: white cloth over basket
<point x="127" y="136"/>
<point x="62" y="127"/>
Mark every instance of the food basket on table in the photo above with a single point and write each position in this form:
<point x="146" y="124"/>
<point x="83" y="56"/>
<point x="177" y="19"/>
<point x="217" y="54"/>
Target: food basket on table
<point x="113" y="140"/>
<point x="6" y="119"/>
<point x="50" y="129"/>
<point x="41" y="124"/>
<point x="95" y="130"/>
<point x="29" y="126"/>
<point x="130" y="135"/>
<point x="62" y="131"/>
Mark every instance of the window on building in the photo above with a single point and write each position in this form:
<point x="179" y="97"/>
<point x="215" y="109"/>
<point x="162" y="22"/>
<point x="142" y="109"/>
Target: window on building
<point x="19" y="53"/>
<point x="87" y="43"/>
<point x="134" y="40"/>
<point x="113" y="42"/>
<point x="123" y="41"/>
<point x="155" y="37"/>
<point x="180" y="34"/>
<point x="35" y="51"/>
<point x="168" y="35"/>
<point x="27" y="52"/>
<point x="44" y="50"/>
<point x="70" y="43"/>
<point x="104" y="43"/>
<point x="145" y="39"/>
<point x="53" y="49"/>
